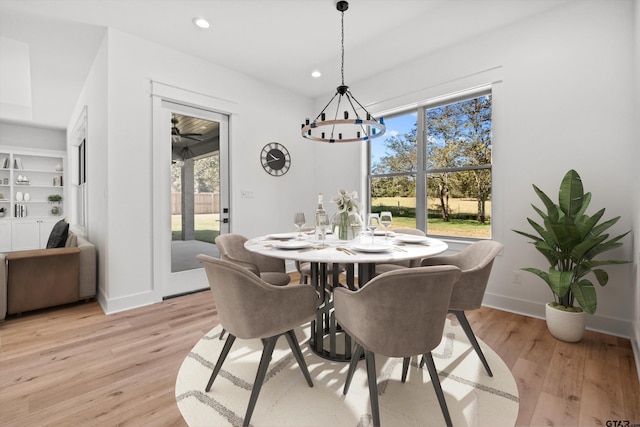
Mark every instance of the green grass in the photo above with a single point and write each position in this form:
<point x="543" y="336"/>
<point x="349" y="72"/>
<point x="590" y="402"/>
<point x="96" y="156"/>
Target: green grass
<point x="436" y="226"/>
<point x="456" y="227"/>
<point x="460" y="228"/>
<point x="207" y="227"/>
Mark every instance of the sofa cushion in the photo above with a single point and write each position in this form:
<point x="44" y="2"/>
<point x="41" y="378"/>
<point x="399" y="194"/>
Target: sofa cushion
<point x="58" y="236"/>
<point x="72" y="240"/>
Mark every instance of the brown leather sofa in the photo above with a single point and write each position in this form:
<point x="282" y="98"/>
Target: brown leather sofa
<point x="41" y="278"/>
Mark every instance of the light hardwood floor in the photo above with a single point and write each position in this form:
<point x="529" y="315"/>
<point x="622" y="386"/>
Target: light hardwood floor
<point x="74" y="366"/>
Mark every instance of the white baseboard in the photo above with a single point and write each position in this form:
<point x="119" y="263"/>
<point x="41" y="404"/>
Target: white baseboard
<point x="636" y="355"/>
<point x="607" y="325"/>
<point x="116" y="305"/>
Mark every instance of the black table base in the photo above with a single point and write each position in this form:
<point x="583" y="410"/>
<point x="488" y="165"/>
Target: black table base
<point x="328" y="340"/>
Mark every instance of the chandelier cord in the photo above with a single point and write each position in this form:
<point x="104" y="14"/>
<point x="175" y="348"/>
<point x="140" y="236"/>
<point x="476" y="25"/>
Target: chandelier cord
<point x="342" y="45"/>
<point x="365" y="128"/>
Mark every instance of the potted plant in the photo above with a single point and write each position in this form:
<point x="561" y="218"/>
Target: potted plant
<point x="570" y="240"/>
<point x="55" y="198"/>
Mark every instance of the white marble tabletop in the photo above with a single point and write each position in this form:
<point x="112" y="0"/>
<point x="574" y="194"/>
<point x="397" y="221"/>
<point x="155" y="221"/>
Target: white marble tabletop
<point x="398" y="247"/>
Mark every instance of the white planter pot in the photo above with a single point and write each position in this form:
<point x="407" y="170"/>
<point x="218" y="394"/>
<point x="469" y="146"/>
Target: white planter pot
<point x="565" y="325"/>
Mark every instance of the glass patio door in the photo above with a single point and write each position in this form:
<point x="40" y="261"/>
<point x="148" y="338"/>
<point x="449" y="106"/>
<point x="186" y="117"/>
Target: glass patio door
<point x="190" y="193"/>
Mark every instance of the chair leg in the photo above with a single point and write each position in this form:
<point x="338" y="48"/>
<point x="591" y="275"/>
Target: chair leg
<point x="225" y="351"/>
<point x="373" y="386"/>
<point x="355" y="357"/>
<point x="428" y="358"/>
<point x="295" y="349"/>
<point x="267" y="352"/>
<point x="462" y="318"/>
<point x="405" y="368"/>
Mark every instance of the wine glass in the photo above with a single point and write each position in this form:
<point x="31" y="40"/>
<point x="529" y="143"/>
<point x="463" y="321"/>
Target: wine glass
<point x="322" y="224"/>
<point x="299" y="221"/>
<point x="373" y="222"/>
<point x="385" y="219"/>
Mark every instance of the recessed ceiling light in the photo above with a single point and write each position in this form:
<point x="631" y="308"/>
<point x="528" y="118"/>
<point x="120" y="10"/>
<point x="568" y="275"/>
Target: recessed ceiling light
<point x="316" y="74"/>
<point x="201" y="22"/>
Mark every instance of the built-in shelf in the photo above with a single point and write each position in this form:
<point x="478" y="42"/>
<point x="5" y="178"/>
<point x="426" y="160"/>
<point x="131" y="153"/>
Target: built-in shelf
<point x="36" y="174"/>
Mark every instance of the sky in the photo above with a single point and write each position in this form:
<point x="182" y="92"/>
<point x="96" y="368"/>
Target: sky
<point x="398" y="125"/>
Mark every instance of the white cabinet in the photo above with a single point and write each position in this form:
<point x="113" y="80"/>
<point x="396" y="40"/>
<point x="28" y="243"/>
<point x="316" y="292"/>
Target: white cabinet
<point x="30" y="233"/>
<point x="29" y="179"/>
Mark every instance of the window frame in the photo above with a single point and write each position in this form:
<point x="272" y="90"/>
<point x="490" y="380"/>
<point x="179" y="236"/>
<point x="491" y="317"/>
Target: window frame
<point x="421" y="173"/>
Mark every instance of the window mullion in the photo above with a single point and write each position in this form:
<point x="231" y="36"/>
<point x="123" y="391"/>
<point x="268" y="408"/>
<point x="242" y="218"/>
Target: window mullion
<point x="421" y="175"/>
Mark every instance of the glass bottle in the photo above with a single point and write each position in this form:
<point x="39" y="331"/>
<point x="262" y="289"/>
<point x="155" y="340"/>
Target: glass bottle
<point x="321" y="220"/>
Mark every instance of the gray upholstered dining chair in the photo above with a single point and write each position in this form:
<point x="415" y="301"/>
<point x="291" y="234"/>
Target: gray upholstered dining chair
<point x="397" y="314"/>
<point x="271" y="270"/>
<point x="475" y="261"/>
<point x="399" y="265"/>
<point x="245" y="306"/>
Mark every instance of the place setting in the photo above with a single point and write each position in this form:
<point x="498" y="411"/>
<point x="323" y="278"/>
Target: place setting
<point x="412" y="239"/>
<point x="372" y="247"/>
<point x="298" y="240"/>
<point x="373" y="231"/>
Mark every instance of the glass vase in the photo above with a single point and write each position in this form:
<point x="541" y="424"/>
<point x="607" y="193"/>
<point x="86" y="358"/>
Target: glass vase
<point x="347" y="225"/>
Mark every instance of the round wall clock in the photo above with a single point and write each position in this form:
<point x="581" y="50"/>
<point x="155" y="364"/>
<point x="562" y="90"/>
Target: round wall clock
<point x="275" y="159"/>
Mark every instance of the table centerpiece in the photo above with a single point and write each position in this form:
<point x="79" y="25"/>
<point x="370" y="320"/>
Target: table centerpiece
<point x="347" y="220"/>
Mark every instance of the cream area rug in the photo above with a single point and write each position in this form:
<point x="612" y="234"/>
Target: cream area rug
<point x="473" y="398"/>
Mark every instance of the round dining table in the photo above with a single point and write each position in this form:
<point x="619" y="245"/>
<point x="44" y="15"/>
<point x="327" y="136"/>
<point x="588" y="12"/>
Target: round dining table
<point x="364" y="252"/>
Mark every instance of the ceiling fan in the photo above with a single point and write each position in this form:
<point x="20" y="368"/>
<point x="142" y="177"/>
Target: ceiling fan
<point x="176" y="135"/>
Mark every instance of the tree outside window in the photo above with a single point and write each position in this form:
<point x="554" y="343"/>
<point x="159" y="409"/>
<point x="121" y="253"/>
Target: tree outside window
<point x="450" y="185"/>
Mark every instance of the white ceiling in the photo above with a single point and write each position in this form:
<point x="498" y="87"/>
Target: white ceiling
<point x="278" y="41"/>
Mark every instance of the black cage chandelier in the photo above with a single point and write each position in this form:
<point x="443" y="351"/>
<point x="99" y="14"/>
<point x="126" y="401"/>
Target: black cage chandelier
<point x="331" y="126"/>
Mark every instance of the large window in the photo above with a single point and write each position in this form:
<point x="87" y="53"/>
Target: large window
<point x="432" y="169"/>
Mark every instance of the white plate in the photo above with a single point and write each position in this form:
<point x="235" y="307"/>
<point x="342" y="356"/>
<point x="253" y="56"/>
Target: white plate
<point x="283" y="236"/>
<point x="371" y="248"/>
<point x="292" y="244"/>
<point x="410" y="238"/>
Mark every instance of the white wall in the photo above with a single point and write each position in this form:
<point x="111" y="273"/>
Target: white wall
<point x="95" y="97"/>
<point x="565" y="101"/>
<point x="635" y="296"/>
<point x="119" y="107"/>
<point x="19" y="135"/>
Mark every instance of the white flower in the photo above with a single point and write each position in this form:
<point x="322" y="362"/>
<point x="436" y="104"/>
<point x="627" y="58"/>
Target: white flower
<point x="346" y="201"/>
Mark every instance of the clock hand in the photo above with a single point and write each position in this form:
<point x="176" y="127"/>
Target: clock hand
<point x="273" y="157"/>
<point x="273" y="160"/>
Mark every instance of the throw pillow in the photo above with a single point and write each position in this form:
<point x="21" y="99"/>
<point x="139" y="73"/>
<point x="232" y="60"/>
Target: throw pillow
<point x="58" y="236"/>
<point x="72" y="240"/>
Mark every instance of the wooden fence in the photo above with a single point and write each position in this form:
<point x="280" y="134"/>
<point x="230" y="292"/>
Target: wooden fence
<point x="203" y="203"/>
